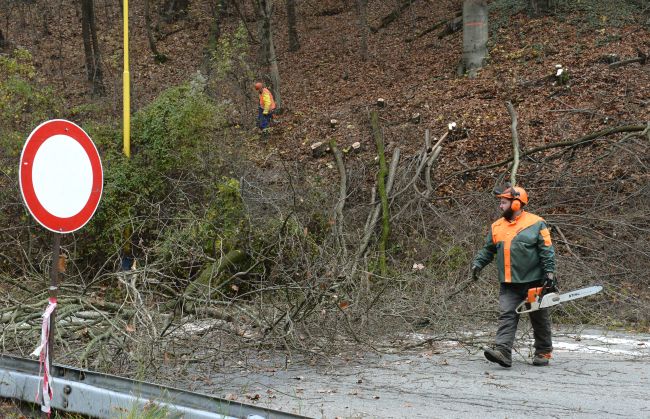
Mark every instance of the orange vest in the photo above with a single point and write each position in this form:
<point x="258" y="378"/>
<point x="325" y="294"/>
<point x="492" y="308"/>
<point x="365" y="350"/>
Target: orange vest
<point x="266" y="101"/>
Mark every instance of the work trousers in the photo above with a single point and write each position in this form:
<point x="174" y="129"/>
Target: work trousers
<point x="510" y="296"/>
<point x="264" y="121"/>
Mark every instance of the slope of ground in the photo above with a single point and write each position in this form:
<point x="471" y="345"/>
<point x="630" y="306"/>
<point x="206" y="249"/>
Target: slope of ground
<point x="326" y="78"/>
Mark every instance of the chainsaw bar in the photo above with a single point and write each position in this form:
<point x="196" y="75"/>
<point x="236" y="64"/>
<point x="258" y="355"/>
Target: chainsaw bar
<point x="554" y="298"/>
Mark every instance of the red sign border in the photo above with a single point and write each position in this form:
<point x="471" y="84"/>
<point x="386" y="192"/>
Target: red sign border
<point x="34" y="142"/>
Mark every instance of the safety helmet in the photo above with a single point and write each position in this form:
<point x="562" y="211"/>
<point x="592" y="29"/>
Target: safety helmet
<point x="515" y="193"/>
<point x="258" y="86"/>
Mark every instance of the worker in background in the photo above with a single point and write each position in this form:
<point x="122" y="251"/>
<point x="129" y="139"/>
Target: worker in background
<point x="525" y="255"/>
<point x="266" y="108"/>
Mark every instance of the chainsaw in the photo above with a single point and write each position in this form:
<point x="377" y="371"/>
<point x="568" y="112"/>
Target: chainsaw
<point x="538" y="299"/>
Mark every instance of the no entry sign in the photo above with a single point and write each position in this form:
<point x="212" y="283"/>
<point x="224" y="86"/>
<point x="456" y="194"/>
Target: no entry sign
<point x="61" y="176"/>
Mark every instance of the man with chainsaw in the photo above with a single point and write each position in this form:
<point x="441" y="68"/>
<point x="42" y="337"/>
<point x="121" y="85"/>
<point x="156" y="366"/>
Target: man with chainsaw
<point x="521" y="242"/>
<point x="266" y="108"/>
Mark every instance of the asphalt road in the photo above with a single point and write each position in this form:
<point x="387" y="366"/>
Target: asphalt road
<point x="594" y="374"/>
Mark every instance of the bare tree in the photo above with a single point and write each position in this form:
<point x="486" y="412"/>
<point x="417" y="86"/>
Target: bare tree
<point x="362" y="17"/>
<point x="175" y="9"/>
<point x="269" y="58"/>
<point x="475" y="35"/>
<point x="91" y="47"/>
<point x="541" y="7"/>
<point x="152" y="42"/>
<point x="294" y="42"/>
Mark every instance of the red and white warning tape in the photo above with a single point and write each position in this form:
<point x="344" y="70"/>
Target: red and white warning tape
<point x="42" y="351"/>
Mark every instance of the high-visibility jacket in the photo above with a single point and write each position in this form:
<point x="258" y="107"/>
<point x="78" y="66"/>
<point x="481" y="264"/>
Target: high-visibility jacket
<point x="523" y="248"/>
<point x="266" y="101"/>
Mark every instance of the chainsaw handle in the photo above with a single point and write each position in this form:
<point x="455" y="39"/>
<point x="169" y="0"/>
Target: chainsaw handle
<point x="526" y="307"/>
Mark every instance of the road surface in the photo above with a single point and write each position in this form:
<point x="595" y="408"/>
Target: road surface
<point x="594" y="374"/>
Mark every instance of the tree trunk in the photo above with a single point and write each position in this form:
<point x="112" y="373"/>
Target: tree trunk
<point x="160" y="58"/>
<point x="475" y="35"/>
<point x="362" y="17"/>
<point x="215" y="29"/>
<point x="541" y="7"/>
<point x="268" y="48"/>
<point x="174" y="10"/>
<point x="381" y="189"/>
<point x="294" y="42"/>
<point x="263" y="32"/>
<point x="91" y="47"/>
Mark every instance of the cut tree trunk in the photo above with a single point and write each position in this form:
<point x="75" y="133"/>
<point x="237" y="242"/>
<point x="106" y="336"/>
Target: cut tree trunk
<point x="381" y="189"/>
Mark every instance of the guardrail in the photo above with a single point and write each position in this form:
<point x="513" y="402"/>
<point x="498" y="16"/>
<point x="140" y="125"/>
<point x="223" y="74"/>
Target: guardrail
<point x="107" y="396"/>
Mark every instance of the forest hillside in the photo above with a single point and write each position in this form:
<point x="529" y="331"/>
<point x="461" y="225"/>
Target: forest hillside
<point x="357" y="216"/>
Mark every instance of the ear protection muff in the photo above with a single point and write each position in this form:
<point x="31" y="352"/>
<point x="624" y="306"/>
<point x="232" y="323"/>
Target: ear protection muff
<point x="516" y="203"/>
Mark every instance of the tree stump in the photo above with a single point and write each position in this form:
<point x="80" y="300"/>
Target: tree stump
<point x="319" y="149"/>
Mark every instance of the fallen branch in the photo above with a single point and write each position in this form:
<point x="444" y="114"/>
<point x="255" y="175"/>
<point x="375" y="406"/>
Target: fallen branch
<point x="580" y="141"/>
<point x="389" y="18"/>
<point x="641" y="59"/>
<point x="338" y="210"/>
<point x="428" y="30"/>
<point x="381" y="189"/>
<point x="374" y="215"/>
<point x="515" y="144"/>
<point x="453" y="26"/>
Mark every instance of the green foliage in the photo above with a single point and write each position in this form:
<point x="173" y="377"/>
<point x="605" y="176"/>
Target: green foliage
<point x="230" y="57"/>
<point x="174" y="130"/>
<point x="149" y="411"/>
<point x="450" y="258"/>
<point x="168" y="197"/>
<point x="24" y="104"/>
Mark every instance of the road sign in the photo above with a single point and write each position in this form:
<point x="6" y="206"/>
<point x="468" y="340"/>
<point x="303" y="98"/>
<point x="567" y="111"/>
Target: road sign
<point x="61" y="177"/>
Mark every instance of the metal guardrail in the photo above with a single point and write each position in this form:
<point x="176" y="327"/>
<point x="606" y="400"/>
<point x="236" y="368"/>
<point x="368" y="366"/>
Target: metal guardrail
<point x="107" y="396"/>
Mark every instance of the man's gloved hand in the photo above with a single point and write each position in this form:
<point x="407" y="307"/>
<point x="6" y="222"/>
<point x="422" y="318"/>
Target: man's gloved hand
<point x="476" y="271"/>
<point x="550" y="283"/>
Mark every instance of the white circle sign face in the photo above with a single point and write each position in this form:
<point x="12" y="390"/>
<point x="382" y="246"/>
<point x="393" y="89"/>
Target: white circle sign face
<point x="63" y="190"/>
<point x="61" y="176"/>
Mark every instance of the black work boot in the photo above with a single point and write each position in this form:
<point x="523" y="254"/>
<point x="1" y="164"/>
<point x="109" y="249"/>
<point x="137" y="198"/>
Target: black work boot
<point x="541" y="359"/>
<point x="495" y="355"/>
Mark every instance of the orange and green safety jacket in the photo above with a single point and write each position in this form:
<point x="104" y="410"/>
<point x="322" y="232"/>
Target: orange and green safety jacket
<point x="523" y="249"/>
<point x="266" y="101"/>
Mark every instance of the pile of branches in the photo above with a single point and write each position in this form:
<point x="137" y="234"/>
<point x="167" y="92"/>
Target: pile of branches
<point x="351" y="265"/>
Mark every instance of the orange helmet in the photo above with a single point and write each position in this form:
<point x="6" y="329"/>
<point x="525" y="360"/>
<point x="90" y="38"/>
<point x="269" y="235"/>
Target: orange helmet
<point x="258" y="86"/>
<point x="516" y="192"/>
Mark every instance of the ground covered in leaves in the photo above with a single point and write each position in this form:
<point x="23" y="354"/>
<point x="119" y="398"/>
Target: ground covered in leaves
<point x="326" y="79"/>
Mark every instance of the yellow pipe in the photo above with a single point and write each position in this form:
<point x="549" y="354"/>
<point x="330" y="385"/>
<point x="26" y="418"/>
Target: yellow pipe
<point x="126" y="85"/>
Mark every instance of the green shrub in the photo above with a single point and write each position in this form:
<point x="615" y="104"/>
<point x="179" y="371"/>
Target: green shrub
<point x="169" y="200"/>
<point x="24" y="104"/>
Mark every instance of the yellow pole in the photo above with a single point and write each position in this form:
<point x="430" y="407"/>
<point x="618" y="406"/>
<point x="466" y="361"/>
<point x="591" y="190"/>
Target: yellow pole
<point x="126" y="85"/>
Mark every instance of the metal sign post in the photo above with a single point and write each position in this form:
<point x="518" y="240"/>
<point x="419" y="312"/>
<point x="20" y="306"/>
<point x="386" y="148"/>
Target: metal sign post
<point x="61" y="181"/>
<point x="53" y="291"/>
